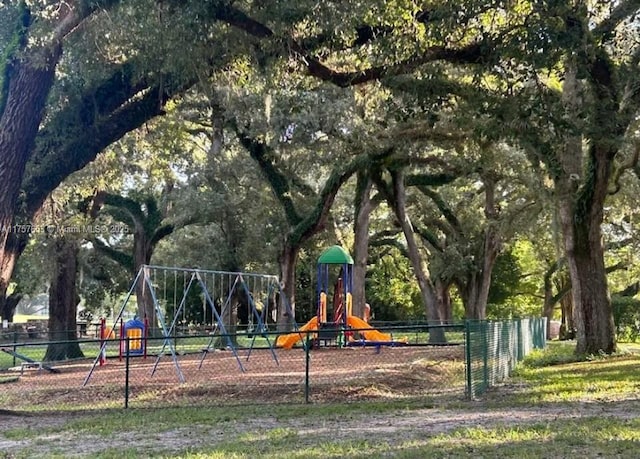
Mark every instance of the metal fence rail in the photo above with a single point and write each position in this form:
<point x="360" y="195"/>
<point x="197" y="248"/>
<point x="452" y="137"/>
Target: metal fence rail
<point x="494" y="348"/>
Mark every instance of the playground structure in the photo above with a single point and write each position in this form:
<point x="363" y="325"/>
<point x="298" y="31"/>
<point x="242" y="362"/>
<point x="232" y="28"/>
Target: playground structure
<point x="170" y="289"/>
<point x="338" y="325"/>
<point x="133" y="338"/>
<point x="134" y="335"/>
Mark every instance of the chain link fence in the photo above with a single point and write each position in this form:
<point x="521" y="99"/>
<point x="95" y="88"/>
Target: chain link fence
<point x="418" y="361"/>
<point x="494" y="348"/>
<point x="203" y="370"/>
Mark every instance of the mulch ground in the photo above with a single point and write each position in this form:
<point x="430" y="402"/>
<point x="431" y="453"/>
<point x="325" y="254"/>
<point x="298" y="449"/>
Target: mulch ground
<point x="256" y="376"/>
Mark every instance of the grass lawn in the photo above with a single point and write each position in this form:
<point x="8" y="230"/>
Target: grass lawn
<point x="553" y="407"/>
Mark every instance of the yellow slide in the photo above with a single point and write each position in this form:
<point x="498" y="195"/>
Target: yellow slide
<point x="288" y="341"/>
<point x="370" y="334"/>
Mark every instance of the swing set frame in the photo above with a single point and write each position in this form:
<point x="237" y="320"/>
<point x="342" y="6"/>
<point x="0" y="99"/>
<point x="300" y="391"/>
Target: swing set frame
<point x="148" y="275"/>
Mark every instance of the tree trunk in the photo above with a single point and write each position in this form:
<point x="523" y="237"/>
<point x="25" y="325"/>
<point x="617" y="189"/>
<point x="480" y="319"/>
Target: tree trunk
<point x="478" y="282"/>
<point x="363" y="208"/>
<point x="26" y="94"/>
<point x="593" y="314"/>
<point x="443" y="297"/>
<point x="234" y="236"/>
<point x="15" y="245"/>
<point x="427" y="291"/>
<point x="63" y="303"/>
<point x="287" y="313"/>
<point x="475" y="290"/>
<point x="229" y="317"/>
<point x="582" y="187"/>
<point x="8" y="306"/>
<point x="469" y="292"/>
<point x="549" y="303"/>
<point x="581" y="215"/>
<point x="567" y="324"/>
<point x="142" y="256"/>
<point x="237" y="299"/>
<point x="550" y="300"/>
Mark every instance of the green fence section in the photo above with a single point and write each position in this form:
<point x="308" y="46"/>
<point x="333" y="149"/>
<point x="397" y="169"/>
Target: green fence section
<point x="494" y="348"/>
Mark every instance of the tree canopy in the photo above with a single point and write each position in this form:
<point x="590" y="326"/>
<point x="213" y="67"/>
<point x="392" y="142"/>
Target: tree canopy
<point x="452" y="134"/>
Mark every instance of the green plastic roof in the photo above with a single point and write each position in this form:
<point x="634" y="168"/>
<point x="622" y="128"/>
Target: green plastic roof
<point x="335" y="255"/>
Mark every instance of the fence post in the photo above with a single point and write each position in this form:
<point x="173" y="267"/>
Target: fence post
<point x="484" y="325"/>
<point x="522" y="346"/>
<point x="126" y="373"/>
<point x="307" y="347"/>
<point x="467" y="339"/>
<point x="15" y="347"/>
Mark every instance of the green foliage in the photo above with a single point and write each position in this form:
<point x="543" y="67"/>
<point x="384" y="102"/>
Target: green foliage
<point x="32" y="273"/>
<point x="392" y="290"/>
<point x="306" y="284"/>
<point x="514" y="291"/>
<point x="505" y="278"/>
<point x="195" y="309"/>
<point x="559" y="353"/>
<point x="626" y="315"/>
<point x="312" y="126"/>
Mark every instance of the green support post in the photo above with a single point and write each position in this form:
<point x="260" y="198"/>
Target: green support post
<point x="467" y="348"/>
<point x="307" y="351"/>
<point x="15" y="347"/>
<point x="485" y="356"/>
<point x="126" y="374"/>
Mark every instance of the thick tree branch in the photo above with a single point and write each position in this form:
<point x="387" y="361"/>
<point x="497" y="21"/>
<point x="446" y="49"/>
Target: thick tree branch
<point x="10" y="53"/>
<point x="57" y="162"/>
<point x="444" y="209"/>
<point x="429" y="237"/>
<point x="123" y="209"/>
<point x="471" y="54"/>
<point x="278" y="181"/>
<point x="118" y="256"/>
<point x="566" y="288"/>
<point x="162" y="232"/>
<point x="390" y="242"/>
<point x="474" y="53"/>
<point x="316" y="218"/>
<point x="629" y="290"/>
<point x="71" y="17"/>
<point x="623" y="10"/>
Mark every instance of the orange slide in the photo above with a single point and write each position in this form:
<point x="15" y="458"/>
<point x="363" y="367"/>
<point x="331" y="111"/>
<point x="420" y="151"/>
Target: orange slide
<point x="288" y="341"/>
<point x="370" y="334"/>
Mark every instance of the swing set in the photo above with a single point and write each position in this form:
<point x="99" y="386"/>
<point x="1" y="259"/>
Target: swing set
<point x="171" y="289"/>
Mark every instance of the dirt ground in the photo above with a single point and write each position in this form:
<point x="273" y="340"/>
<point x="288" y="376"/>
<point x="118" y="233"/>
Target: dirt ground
<point x="350" y="375"/>
<point x="394" y="427"/>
